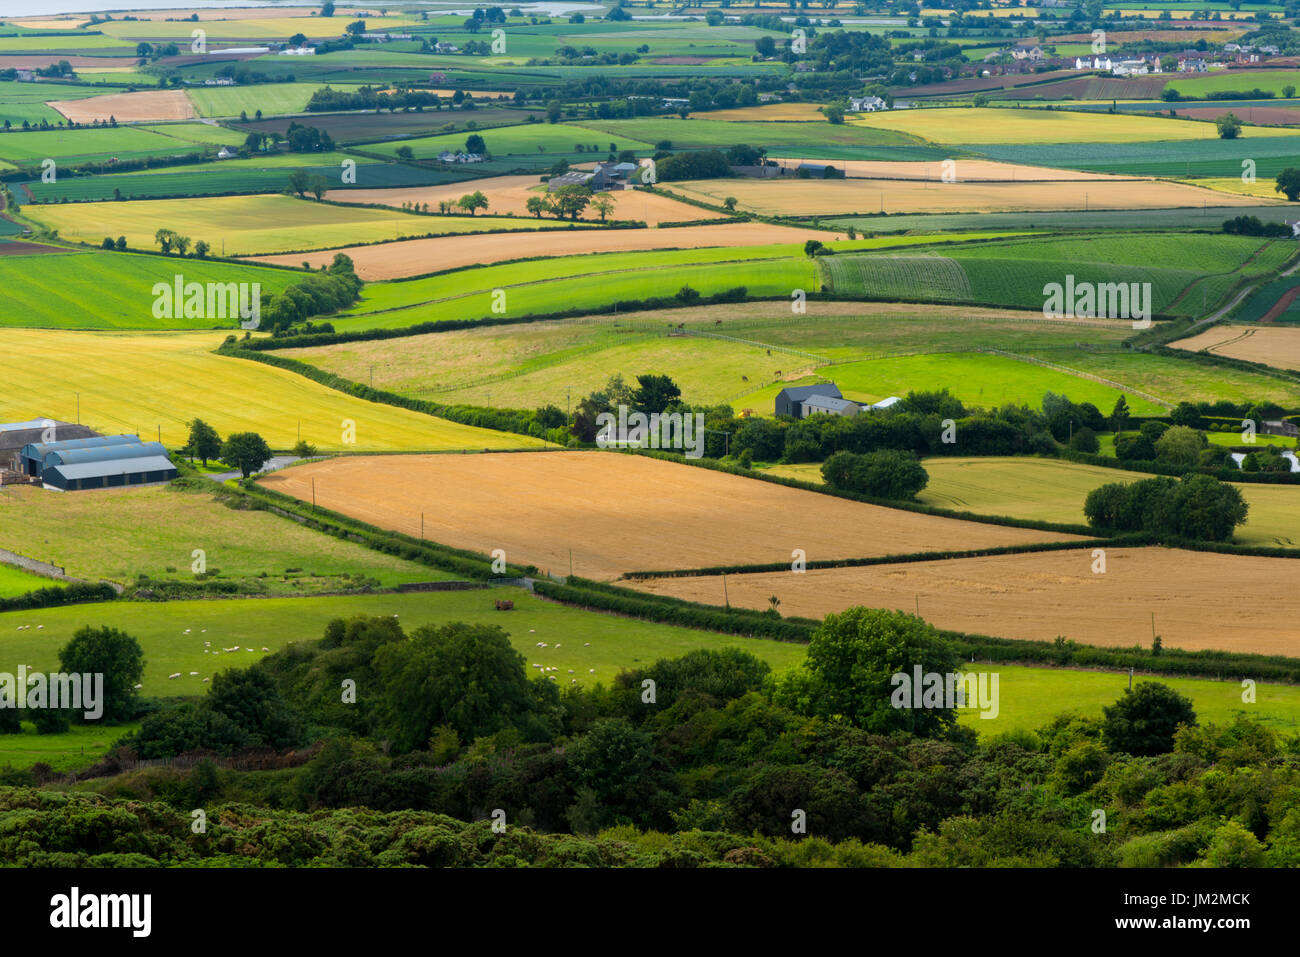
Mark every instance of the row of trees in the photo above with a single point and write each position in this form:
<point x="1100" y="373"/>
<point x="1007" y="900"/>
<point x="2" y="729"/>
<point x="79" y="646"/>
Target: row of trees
<point x="1198" y="507"/>
<point x="246" y="451"/>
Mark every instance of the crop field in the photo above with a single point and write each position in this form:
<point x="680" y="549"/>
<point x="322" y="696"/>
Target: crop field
<point x="270" y="98"/>
<point x="16" y="581"/>
<point x="708" y="133"/>
<point x="117" y="534"/>
<point x="528" y="293"/>
<point x="808" y="197"/>
<point x="961" y="171"/>
<point x="1031" y="126"/>
<point x="232" y="395"/>
<point x="541" y="142"/>
<point x="1271" y="152"/>
<point x="1208" y="84"/>
<point x="72" y="147"/>
<point x="1277" y="346"/>
<point x="1207" y="217"/>
<point x="249" y="225"/>
<point x="102" y="290"/>
<point x="148" y="106"/>
<point x="1014" y="273"/>
<point x="418" y="256"/>
<point x="510" y="194"/>
<point x="544" y="509"/>
<point x="21" y="102"/>
<point x="1195" y="596"/>
<point x="267" y="174"/>
<point x="1054" y="490"/>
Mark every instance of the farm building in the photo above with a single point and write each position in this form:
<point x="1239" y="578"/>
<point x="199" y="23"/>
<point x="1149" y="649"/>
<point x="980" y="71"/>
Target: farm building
<point x="789" y="401"/>
<point x="804" y="400"/>
<point x="15" y="435"/>
<point x="107" y="461"/>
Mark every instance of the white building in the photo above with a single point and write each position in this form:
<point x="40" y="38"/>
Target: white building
<point x="866" y="104"/>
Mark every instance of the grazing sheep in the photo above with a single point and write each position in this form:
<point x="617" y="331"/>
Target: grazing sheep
<point x="177" y="675"/>
<point x="205" y="679"/>
<point x="139" y="687"/>
<point x="586" y="644"/>
<point x="39" y="627"/>
<point x="591" y="671"/>
<point x="194" y="674"/>
<point x="570" y="671"/>
<point x="264" y="648"/>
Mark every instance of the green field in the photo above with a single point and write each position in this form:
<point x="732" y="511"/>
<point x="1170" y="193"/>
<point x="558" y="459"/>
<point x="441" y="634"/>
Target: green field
<point x="118" y="534"/>
<point x="102" y="290"/>
<point x="1053" y="490"/>
<point x="1200" y="269"/>
<point x="700" y="132"/>
<point x="271" y="98"/>
<point x="540" y="143"/>
<point x="1207" y="84"/>
<point x="1210" y="157"/>
<point x="977" y="379"/>
<point x="73" y="147"/>
<point x="21" y="102"/>
<point x="256" y="225"/>
<point x="15" y="581"/>
<point x="539" y="287"/>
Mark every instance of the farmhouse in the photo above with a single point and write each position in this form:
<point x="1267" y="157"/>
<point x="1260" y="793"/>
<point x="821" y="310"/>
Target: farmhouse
<point x="15" y="435"/>
<point x="866" y="104"/>
<point x="106" y="461"/>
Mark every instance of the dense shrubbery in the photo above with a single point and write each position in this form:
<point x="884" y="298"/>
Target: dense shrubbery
<point x="58" y="595"/>
<point x="716" y="758"/>
<point x="1198" y="507"/>
<point x="885" y="474"/>
<point x="321" y="293"/>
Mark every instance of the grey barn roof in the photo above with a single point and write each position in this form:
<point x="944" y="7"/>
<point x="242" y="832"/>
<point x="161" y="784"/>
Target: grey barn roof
<point x="829" y="402"/>
<point x="798" y="393"/>
<point x="41" y="449"/>
<point x="104" y="453"/>
<point x="133" y="466"/>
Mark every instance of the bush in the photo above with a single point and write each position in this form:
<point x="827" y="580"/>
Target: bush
<point x="1143" y="722"/>
<point x="1085" y="440"/>
<point x="888" y="473"/>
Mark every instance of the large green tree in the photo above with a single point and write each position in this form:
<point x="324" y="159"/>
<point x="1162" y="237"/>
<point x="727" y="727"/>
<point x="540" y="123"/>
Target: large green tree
<point x="1143" y="722"/>
<point x="111" y="653"/>
<point x="204" y="442"/>
<point x="246" y="451"/>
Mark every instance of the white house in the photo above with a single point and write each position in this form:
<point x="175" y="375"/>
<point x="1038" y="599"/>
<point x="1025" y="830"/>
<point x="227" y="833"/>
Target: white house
<point x="1130" y="68"/>
<point x="298" y="51"/>
<point x="866" y="104"/>
<point x="1096" y="63"/>
<point x="226" y="153"/>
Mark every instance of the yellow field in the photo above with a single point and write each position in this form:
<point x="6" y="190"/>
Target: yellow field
<point x="143" y="107"/>
<point x="253" y="225"/>
<point x="510" y="194"/>
<point x="1272" y="345"/>
<point x="611" y="513"/>
<point x="1200" y="599"/>
<point x="137" y="383"/>
<point x="995" y="125"/>
<point x="247" y="28"/>
<point x="964" y="170"/>
<point x="1260" y="189"/>
<point x="808" y="197"/>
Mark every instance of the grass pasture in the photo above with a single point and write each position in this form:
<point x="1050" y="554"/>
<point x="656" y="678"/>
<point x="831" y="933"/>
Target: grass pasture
<point x="103" y="290"/>
<point x="233" y="395"/>
<point x="117" y="534"/>
<point x="611" y="513"/>
<point x="252" y="225"/>
<point x="15" y="581"/>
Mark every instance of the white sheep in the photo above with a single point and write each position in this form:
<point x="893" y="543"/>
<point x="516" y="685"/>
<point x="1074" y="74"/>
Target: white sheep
<point x="264" y="648"/>
<point x="138" y="687"/>
<point x="177" y="675"/>
<point x="586" y="644"/>
<point x="205" y="679"/>
<point x="591" y="671"/>
<point x="194" y="674"/>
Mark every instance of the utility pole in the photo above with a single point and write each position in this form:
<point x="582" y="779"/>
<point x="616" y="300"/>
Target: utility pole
<point x="78" y="408"/>
<point x="372" y="377"/>
<point x="313" y="491"/>
<point x="725" y="599"/>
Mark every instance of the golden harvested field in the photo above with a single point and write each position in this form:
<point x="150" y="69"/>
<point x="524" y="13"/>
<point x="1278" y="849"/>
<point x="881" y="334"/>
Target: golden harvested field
<point x="415" y="257"/>
<point x="1000" y="125"/>
<point x="146" y="381"/>
<point x="810" y="197"/>
<point x="616" y="513"/>
<point x="509" y="194"/>
<point x="966" y="170"/>
<point x="144" y="107"/>
<point x="1272" y="345"/>
<point x="1197" y="597"/>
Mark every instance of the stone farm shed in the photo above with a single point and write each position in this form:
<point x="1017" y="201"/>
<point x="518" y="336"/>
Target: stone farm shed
<point x="14" y="436"/>
<point x="108" y="461"/>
